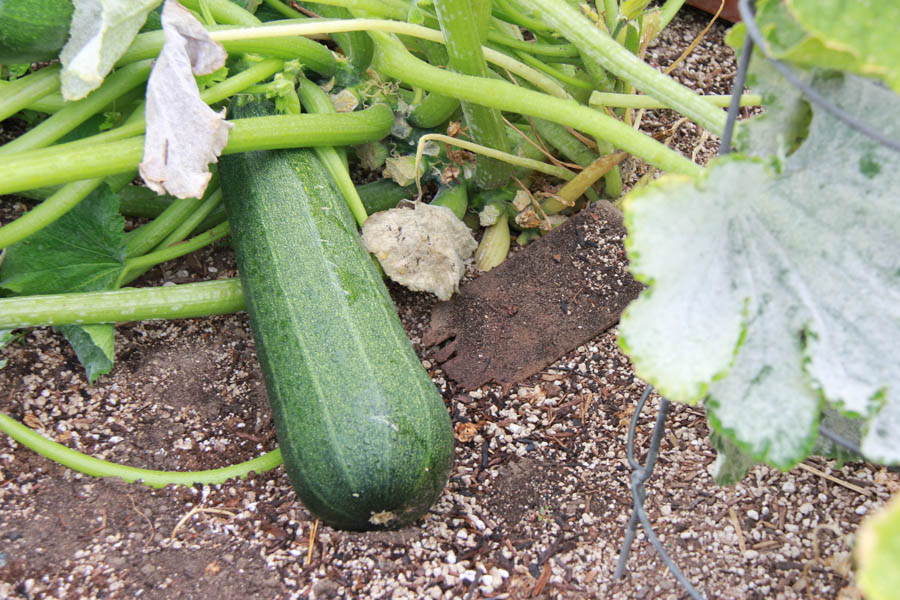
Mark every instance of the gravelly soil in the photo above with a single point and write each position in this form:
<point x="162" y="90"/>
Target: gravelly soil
<point x="536" y="505"/>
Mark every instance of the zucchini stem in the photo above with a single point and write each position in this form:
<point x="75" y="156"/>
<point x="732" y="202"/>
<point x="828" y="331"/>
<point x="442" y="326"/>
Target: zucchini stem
<point x="393" y="60"/>
<point x="100" y="468"/>
<point x="49" y="166"/>
<point x="26" y="90"/>
<point x="219" y="297"/>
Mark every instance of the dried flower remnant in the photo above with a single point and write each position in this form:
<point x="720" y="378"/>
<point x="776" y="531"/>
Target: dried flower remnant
<point x="420" y="246"/>
<point x="184" y="135"/>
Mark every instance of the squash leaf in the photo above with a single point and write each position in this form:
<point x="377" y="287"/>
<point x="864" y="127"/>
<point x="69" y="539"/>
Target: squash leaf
<point x="100" y="32"/>
<point x="878" y="553"/>
<point x="94" y="345"/>
<point x="82" y="251"/>
<point x="774" y="286"/>
<point x="859" y="37"/>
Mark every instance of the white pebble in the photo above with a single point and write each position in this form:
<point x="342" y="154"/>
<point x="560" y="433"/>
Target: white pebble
<point x="788" y="487"/>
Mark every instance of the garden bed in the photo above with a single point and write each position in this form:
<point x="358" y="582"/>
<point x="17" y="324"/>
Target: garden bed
<point x="537" y="502"/>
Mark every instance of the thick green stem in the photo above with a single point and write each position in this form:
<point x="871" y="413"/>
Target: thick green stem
<point x="601" y="99"/>
<point x="392" y="60"/>
<point x="316" y="101"/>
<point x="548" y="50"/>
<point x="596" y="45"/>
<point x="136" y="267"/>
<point x="75" y="113"/>
<point x="284" y="9"/>
<point x="48" y="166"/>
<point x="191" y="223"/>
<point x="22" y="92"/>
<point x="216" y="93"/>
<point x="58" y="204"/>
<point x="220" y="297"/>
<point x="464" y="24"/>
<point x="100" y="468"/>
<point x="147" y="237"/>
<point x="668" y="12"/>
<point x="278" y="28"/>
<point x="311" y="53"/>
<point x="224" y="11"/>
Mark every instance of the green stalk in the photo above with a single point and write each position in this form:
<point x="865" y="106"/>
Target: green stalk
<point x="505" y="11"/>
<point x="668" y="12"/>
<point x="135" y="267"/>
<point x="312" y="54"/>
<point x="548" y="50"/>
<point x="601" y="99"/>
<point x="219" y="297"/>
<point x="388" y="9"/>
<point x="100" y="468"/>
<point x="191" y="223"/>
<point x="24" y="91"/>
<point x="316" y="101"/>
<point x="224" y="11"/>
<point x="137" y="123"/>
<point x="392" y="60"/>
<point x="507" y="157"/>
<point x="596" y="45"/>
<point x="611" y="14"/>
<point x="75" y="113"/>
<point x="58" y="204"/>
<point x="464" y="39"/>
<point x="37" y="168"/>
<point x="555" y="73"/>
<point x="284" y="9"/>
<point x="355" y="45"/>
<point x="142" y="240"/>
<point x="277" y="29"/>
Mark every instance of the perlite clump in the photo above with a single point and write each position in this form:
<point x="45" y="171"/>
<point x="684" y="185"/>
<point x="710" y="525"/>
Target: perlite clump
<point x="420" y="246"/>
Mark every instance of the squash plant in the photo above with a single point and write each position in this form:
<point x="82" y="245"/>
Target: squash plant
<point x="772" y="274"/>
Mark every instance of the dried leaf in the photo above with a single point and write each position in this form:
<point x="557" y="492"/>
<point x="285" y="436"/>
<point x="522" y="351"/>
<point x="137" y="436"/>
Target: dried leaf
<point x="184" y="135"/>
<point x="420" y="246"/>
<point x="100" y="33"/>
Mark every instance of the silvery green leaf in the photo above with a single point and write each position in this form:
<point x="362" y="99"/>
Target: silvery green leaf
<point x="774" y="290"/>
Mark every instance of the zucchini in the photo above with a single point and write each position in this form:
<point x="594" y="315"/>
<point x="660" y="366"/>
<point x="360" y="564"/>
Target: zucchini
<point x="365" y="436"/>
<point x="33" y="30"/>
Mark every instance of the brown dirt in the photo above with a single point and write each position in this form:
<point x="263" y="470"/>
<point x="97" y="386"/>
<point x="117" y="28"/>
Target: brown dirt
<point x="557" y="294"/>
<point x="535" y="507"/>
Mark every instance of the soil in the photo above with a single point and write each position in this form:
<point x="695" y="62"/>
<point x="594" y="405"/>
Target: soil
<point x="557" y="294"/>
<point x="536" y="505"/>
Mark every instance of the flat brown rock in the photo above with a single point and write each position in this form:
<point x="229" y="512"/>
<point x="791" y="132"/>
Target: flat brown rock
<point x="545" y="300"/>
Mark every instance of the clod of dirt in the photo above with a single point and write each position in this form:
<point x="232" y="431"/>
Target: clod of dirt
<point x="542" y="302"/>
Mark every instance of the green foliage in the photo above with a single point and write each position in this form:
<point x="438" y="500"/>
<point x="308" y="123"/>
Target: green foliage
<point x="82" y="251"/>
<point x="878" y="553"/>
<point x="852" y="36"/>
<point x="786" y="295"/>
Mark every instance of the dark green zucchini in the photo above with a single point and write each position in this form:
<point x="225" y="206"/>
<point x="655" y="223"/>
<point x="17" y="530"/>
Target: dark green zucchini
<point x="365" y="436"/>
<point x="33" y="30"/>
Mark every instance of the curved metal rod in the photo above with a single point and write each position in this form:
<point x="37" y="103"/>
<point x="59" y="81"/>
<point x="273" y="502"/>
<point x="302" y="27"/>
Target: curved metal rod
<point x="736" y="90"/>
<point x="639" y="475"/>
